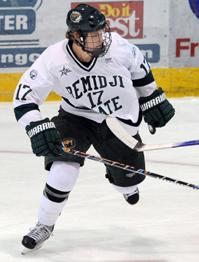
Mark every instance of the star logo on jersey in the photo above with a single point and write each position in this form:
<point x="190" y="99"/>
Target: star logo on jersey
<point x="65" y="71"/>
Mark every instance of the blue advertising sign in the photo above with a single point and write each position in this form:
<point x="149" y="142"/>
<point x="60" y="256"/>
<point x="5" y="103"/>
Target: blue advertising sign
<point x="151" y="52"/>
<point x="18" y="18"/>
<point x="18" y="3"/>
<point x="18" y="21"/>
<point x="19" y="57"/>
<point x="194" y="4"/>
<point x="24" y="57"/>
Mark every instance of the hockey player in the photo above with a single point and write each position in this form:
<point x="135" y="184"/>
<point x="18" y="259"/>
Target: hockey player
<point x="97" y="73"/>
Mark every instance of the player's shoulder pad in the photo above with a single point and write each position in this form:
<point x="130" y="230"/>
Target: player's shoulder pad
<point x="55" y="53"/>
<point x="125" y="50"/>
<point x="118" y="41"/>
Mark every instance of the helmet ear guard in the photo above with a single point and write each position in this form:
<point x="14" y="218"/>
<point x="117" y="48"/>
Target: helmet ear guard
<point x="85" y="19"/>
<point x="77" y="37"/>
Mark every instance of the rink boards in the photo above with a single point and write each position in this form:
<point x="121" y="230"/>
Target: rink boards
<point x="177" y="82"/>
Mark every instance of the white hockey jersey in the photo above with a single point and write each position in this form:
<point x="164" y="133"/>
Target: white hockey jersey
<point x="108" y="85"/>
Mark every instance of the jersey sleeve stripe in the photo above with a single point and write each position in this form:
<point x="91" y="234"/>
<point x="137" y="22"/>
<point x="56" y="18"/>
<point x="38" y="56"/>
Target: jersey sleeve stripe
<point x="144" y="81"/>
<point x="23" y="109"/>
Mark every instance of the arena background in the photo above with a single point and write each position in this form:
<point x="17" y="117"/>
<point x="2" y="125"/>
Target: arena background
<point x="165" y="30"/>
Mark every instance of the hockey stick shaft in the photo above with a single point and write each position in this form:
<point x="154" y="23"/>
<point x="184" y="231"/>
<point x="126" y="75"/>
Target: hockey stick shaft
<point x="119" y="131"/>
<point x="143" y="147"/>
<point x="131" y="169"/>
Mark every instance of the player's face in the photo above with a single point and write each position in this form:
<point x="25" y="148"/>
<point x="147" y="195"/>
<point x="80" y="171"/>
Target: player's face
<point x="94" y="43"/>
<point x="94" y="40"/>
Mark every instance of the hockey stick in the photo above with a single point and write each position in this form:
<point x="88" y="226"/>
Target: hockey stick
<point x="123" y="166"/>
<point x="119" y="131"/>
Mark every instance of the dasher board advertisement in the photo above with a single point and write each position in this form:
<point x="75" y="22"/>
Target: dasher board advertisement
<point x="28" y="27"/>
<point x="184" y="34"/>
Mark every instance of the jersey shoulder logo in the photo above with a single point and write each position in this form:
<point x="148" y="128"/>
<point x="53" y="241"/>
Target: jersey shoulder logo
<point x="33" y="74"/>
<point x="65" y="71"/>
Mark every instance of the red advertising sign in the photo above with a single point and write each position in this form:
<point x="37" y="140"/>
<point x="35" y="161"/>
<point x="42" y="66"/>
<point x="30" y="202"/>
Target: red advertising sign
<point x="125" y="17"/>
<point x="185" y="46"/>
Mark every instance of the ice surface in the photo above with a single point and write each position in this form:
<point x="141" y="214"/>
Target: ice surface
<point x="97" y="224"/>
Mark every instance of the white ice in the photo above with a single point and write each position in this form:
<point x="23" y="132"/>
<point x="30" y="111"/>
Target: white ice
<point x="97" y="224"/>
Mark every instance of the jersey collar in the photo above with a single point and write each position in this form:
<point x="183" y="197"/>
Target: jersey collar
<point x="84" y="66"/>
